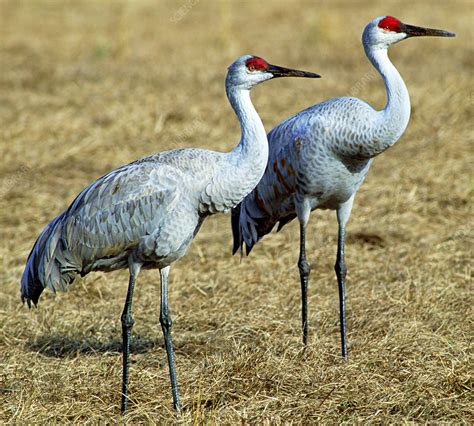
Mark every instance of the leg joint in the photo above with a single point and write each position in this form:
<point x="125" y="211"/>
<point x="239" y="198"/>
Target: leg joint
<point x="165" y="320"/>
<point x="127" y="320"/>
<point x="340" y="268"/>
<point x="304" y="267"/>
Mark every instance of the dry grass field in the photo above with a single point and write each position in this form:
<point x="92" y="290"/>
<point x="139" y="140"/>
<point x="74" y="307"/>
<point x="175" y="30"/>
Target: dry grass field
<point x="86" y="86"/>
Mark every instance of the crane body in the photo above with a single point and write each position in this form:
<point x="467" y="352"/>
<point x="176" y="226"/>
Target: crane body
<point x="145" y="214"/>
<point x="319" y="158"/>
<point x="150" y="209"/>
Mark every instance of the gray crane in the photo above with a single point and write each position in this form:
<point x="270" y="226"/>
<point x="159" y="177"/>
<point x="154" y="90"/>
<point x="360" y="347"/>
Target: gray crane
<point x="319" y="158"/>
<point x="145" y="214"/>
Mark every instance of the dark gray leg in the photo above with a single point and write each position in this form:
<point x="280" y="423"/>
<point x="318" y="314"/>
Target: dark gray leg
<point x="343" y="214"/>
<point x="127" y="324"/>
<point x="305" y="269"/>
<point x="341" y="270"/>
<point x="165" y="321"/>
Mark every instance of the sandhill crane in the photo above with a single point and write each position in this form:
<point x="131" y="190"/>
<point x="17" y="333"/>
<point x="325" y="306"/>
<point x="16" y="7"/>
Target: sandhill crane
<point x="145" y="214"/>
<point x="319" y="158"/>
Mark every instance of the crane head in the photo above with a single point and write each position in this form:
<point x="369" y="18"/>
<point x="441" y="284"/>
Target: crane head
<point x="387" y="30"/>
<point x="248" y="71"/>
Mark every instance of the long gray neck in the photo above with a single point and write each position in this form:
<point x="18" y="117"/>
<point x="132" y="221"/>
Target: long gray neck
<point x="252" y="150"/>
<point x="393" y="119"/>
<point x="244" y="166"/>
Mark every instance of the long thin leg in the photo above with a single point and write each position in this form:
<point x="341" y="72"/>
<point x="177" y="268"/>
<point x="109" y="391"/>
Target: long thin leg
<point x="343" y="214"/>
<point x="341" y="271"/>
<point x="127" y="324"/>
<point x="165" y="321"/>
<point x="305" y="269"/>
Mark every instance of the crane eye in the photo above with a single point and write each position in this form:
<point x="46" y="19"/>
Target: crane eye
<point x="251" y="67"/>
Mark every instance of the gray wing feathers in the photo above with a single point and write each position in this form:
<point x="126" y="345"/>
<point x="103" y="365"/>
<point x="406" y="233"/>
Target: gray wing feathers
<point x="117" y="210"/>
<point x="104" y="221"/>
<point x="301" y="149"/>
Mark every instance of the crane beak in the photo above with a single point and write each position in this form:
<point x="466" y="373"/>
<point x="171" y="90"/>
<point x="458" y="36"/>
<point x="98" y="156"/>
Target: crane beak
<point x="277" y="71"/>
<point x="414" y="31"/>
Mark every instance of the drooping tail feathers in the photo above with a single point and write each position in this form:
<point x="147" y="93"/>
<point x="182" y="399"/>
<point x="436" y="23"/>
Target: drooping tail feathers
<point x="249" y="225"/>
<point x="49" y="264"/>
<point x="237" y="236"/>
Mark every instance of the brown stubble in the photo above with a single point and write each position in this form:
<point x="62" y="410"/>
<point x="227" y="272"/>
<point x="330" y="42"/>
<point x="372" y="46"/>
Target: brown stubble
<point x="88" y="86"/>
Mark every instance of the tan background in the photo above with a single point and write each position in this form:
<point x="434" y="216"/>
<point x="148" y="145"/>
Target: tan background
<point x="87" y="86"/>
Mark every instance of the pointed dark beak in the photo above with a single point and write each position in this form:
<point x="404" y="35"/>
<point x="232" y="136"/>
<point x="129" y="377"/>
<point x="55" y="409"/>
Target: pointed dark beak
<point x="288" y="72"/>
<point x="413" y="31"/>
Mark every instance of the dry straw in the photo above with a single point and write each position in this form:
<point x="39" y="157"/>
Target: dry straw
<point x="87" y="86"/>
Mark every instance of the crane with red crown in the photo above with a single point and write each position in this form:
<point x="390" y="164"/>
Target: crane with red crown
<point x="144" y="215"/>
<point x="319" y="158"/>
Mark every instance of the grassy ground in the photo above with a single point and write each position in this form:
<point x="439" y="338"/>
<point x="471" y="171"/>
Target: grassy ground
<point x="88" y="86"/>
